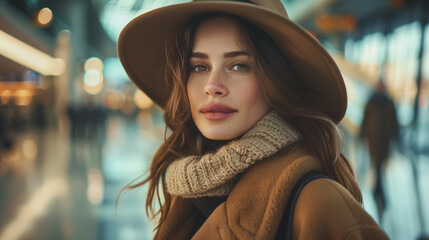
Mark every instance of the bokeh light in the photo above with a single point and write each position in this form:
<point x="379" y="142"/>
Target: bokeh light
<point x="44" y="16"/>
<point x="93" y="63"/>
<point x="93" y="89"/>
<point x="141" y="100"/>
<point x="23" y="97"/>
<point x="6" y="96"/>
<point x="92" y="77"/>
<point x="114" y="100"/>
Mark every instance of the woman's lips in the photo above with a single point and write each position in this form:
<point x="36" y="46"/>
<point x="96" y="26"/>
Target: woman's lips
<point x="217" y="111"/>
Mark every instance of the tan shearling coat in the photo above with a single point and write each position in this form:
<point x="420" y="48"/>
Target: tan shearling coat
<point x="254" y="208"/>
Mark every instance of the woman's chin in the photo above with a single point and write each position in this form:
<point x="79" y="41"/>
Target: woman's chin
<point x="219" y="135"/>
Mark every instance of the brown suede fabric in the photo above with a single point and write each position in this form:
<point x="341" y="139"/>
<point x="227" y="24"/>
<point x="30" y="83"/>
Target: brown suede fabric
<point x="254" y="208"/>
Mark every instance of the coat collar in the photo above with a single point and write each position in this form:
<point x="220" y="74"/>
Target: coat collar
<point x="253" y="209"/>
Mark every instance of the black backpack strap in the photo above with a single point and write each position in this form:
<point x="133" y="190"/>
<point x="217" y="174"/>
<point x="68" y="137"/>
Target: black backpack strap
<point x="285" y="227"/>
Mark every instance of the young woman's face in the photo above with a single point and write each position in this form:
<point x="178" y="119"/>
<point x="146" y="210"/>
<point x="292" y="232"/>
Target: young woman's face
<point x="223" y="90"/>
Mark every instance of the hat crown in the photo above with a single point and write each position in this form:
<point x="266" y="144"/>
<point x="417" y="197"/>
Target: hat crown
<point x="273" y="5"/>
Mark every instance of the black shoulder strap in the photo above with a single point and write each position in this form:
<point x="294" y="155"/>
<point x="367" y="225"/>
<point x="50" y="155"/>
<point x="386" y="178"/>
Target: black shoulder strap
<point x="285" y="227"/>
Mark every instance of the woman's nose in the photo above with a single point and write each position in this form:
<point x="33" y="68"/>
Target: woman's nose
<point x="214" y="86"/>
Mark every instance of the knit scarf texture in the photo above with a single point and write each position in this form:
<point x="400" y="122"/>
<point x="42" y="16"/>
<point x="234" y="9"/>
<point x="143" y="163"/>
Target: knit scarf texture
<point x="214" y="174"/>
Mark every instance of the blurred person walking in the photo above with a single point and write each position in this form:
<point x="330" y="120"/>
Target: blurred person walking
<point x="380" y="129"/>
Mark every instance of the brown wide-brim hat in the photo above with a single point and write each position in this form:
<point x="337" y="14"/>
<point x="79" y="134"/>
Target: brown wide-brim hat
<point x="141" y="49"/>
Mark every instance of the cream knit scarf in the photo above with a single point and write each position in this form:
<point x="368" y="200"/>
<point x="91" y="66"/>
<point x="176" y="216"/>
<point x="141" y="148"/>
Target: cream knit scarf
<point x="213" y="174"/>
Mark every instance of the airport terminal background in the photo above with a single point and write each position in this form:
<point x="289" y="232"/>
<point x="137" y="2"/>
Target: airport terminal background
<point x="74" y="130"/>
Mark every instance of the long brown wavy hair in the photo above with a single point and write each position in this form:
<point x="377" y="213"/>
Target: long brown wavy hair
<point x="320" y="135"/>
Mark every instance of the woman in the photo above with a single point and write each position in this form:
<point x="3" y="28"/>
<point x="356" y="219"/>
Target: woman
<point x="252" y="102"/>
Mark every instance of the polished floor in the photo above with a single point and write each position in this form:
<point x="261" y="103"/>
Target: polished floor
<point x="61" y="182"/>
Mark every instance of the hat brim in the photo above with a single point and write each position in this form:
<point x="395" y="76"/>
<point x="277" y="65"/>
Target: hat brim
<point x="141" y="51"/>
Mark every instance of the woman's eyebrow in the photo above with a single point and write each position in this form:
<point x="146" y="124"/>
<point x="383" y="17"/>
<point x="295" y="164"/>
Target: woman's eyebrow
<point x="199" y="55"/>
<point x="226" y="55"/>
<point x="235" y="54"/>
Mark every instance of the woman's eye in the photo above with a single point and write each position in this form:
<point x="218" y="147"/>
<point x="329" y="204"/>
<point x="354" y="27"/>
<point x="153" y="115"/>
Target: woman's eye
<point x="199" y="68"/>
<point x="240" y="67"/>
